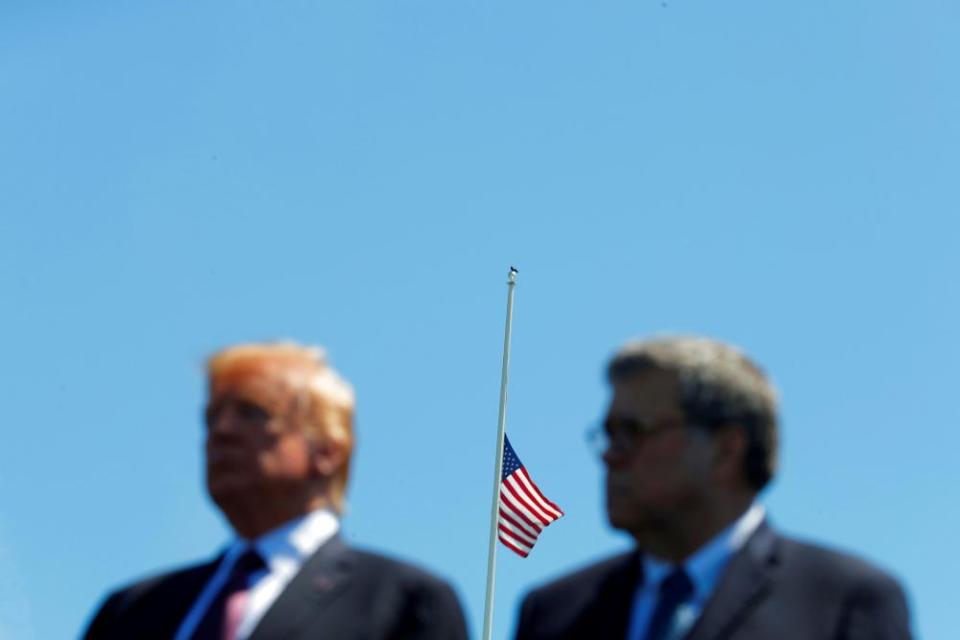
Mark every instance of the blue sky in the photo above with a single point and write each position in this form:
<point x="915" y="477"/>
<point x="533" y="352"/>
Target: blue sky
<point x="178" y="176"/>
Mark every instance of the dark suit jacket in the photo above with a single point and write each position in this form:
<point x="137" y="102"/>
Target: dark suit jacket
<point x="339" y="593"/>
<point x="774" y="588"/>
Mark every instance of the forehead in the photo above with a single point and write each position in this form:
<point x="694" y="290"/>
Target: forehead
<point x="264" y="387"/>
<point x="649" y="394"/>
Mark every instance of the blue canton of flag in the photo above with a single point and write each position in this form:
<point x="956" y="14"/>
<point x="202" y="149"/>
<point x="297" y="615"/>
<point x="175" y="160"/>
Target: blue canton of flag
<point x="524" y="510"/>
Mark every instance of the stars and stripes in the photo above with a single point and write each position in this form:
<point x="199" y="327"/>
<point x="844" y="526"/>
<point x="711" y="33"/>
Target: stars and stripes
<point x="524" y="511"/>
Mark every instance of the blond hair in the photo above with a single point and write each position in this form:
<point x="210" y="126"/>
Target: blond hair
<point x="323" y="402"/>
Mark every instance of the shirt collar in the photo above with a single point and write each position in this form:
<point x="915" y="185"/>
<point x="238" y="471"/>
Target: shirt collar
<point x="289" y="545"/>
<point x="706" y="564"/>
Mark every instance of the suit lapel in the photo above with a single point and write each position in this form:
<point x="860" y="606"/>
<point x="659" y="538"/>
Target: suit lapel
<point x="321" y="579"/>
<point x="615" y="600"/>
<point x="745" y="581"/>
<point x="182" y="597"/>
<point x="168" y="602"/>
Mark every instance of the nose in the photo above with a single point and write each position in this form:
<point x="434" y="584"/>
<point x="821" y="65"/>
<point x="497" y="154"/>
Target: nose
<point x="221" y="420"/>
<point x="613" y="456"/>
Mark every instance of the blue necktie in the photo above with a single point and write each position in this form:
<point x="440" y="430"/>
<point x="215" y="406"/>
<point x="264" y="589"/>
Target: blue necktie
<point x="211" y="626"/>
<point x="675" y="589"/>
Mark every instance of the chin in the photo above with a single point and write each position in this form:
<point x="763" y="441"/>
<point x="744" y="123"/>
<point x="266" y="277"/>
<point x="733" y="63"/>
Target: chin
<point x="618" y="516"/>
<point x="227" y="492"/>
<point x="631" y="517"/>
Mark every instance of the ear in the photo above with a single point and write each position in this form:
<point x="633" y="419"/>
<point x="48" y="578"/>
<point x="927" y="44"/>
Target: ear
<point x="729" y="453"/>
<point x="326" y="459"/>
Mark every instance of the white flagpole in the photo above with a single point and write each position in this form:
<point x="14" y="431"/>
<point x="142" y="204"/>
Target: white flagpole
<point x="498" y="467"/>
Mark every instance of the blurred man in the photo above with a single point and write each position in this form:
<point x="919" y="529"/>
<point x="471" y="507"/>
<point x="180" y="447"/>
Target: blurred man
<point x="689" y="440"/>
<point x="278" y="443"/>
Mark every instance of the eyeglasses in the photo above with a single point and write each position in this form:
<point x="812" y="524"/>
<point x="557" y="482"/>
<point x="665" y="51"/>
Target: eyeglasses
<point x="624" y="435"/>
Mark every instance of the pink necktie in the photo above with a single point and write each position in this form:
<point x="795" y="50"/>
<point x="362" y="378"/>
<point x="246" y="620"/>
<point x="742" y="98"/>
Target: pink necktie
<point x="223" y="616"/>
<point x="236" y="607"/>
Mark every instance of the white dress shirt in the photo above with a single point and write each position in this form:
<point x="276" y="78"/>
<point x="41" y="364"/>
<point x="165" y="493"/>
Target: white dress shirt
<point x="284" y="550"/>
<point x="704" y="568"/>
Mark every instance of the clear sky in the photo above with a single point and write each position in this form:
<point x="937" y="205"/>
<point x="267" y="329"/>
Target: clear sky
<point x="180" y="175"/>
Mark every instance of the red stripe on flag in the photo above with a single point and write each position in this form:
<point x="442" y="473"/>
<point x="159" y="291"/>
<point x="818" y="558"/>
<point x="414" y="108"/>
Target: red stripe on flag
<point x="519" y="525"/>
<point x="517" y="542"/>
<point x="531" y="501"/>
<point x="524" y="479"/>
<point x="549" y="503"/>
<point x="513" y="547"/>
<point x="510" y="502"/>
<point x="521" y="497"/>
<point x="516" y="535"/>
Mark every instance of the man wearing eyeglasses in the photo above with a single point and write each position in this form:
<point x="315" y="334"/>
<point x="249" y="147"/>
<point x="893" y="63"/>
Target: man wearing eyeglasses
<point x="688" y="442"/>
<point x="279" y="436"/>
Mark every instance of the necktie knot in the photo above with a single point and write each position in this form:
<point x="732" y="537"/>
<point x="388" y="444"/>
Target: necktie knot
<point x="224" y="614"/>
<point x="675" y="589"/>
<point x="676" y="586"/>
<point x="246" y="565"/>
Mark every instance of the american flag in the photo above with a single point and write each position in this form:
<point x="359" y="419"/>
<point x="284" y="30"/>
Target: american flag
<point x="524" y="511"/>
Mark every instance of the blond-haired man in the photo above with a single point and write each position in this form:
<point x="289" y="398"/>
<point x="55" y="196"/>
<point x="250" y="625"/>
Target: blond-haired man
<point x="278" y="446"/>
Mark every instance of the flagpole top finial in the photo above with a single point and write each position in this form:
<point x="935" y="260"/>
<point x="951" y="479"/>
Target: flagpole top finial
<point x="512" y="278"/>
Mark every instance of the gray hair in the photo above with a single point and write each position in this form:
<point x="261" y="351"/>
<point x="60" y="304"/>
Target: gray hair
<point x="719" y="386"/>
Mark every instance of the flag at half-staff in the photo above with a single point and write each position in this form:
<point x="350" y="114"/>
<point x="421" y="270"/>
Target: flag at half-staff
<point x="518" y="510"/>
<point x="524" y="511"/>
